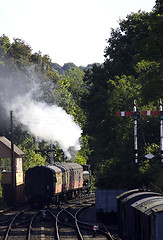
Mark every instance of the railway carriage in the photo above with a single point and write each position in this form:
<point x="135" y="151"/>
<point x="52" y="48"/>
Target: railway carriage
<point x="72" y="178"/>
<point x="156" y="222"/>
<point x="145" y="223"/>
<point x="119" y="208"/>
<point x="43" y="183"/>
<point x="55" y="182"/>
<point x="138" y="209"/>
<point x="141" y="215"/>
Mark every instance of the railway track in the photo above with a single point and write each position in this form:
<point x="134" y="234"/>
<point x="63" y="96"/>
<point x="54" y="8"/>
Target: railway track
<point x="57" y="222"/>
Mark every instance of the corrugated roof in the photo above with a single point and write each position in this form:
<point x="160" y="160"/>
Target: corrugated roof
<point x="7" y="143"/>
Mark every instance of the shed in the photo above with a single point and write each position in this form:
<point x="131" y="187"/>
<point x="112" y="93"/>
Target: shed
<point x="11" y="188"/>
<point x="106" y="204"/>
<point x="5" y="149"/>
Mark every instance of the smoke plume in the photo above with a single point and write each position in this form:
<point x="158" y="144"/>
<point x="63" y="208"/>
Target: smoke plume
<point x="45" y="121"/>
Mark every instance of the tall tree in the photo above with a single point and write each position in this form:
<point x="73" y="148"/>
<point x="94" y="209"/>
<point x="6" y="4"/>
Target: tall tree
<point x="132" y="70"/>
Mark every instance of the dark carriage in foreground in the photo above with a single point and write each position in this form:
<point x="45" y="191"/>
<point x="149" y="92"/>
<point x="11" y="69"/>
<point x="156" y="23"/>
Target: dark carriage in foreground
<point x="140" y="215"/>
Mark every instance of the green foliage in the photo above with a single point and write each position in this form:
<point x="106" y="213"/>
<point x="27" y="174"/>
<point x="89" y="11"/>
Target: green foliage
<point x="150" y="78"/>
<point x="75" y="78"/>
<point x="61" y="70"/>
<point x="69" y="90"/>
<point x="159" y="6"/>
<point x="80" y="159"/>
<point x="20" y="67"/>
<point x="151" y="169"/>
<point x="20" y="50"/>
<point x="132" y="70"/>
<point x="57" y="67"/>
<point x="93" y="187"/>
<point x="30" y="159"/>
<point x="83" y="154"/>
<point x="4" y="47"/>
<point x="68" y="66"/>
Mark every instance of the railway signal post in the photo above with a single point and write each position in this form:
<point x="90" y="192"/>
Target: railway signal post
<point x="158" y="113"/>
<point x="135" y="114"/>
<point x="161" y="130"/>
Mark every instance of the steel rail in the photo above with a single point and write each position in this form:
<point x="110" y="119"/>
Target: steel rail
<point x="30" y="225"/>
<point x="56" y="224"/>
<point x="10" y="225"/>
<point x="68" y="224"/>
<point x="76" y="224"/>
<point x="90" y="226"/>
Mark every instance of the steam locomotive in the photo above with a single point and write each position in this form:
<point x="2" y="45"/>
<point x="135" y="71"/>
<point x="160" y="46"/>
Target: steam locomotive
<point x="56" y="182"/>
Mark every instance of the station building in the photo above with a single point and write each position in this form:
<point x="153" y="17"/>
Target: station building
<point x="11" y="173"/>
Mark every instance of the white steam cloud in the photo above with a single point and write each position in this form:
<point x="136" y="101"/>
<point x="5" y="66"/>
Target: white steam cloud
<point x="45" y="121"/>
<point x="48" y="122"/>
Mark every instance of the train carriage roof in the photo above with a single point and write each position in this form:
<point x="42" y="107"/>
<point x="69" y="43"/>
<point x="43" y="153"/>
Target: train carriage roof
<point x="145" y="201"/>
<point x="47" y="168"/>
<point x="136" y="196"/>
<point x="69" y="166"/>
<point x="158" y="209"/>
<point x="127" y="193"/>
<point x="146" y="204"/>
<point x="154" y="206"/>
<point x="58" y="164"/>
<point x="54" y="168"/>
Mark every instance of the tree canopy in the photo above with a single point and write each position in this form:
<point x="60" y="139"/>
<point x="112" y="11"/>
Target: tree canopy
<point x="132" y="70"/>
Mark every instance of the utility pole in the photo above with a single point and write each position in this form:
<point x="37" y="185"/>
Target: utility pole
<point x="51" y="153"/>
<point x="13" y="170"/>
<point x="161" y="130"/>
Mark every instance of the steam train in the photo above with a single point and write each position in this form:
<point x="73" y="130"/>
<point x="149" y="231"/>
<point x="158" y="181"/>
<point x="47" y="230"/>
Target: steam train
<point x="140" y="215"/>
<point x="56" y="182"/>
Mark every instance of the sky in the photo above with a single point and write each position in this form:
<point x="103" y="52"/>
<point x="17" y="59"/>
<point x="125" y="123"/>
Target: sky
<point x="66" y="30"/>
